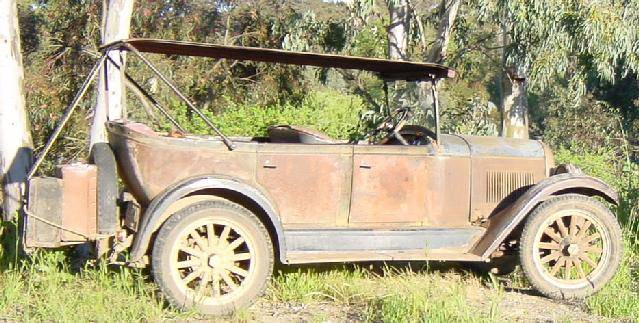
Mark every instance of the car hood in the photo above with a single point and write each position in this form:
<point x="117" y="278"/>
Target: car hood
<point x="462" y="145"/>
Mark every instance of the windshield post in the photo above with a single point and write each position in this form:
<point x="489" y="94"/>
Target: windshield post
<point x="388" y="109"/>
<point x="436" y="105"/>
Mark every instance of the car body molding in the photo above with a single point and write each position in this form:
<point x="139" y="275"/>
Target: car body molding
<point x="153" y="214"/>
<point x="503" y="222"/>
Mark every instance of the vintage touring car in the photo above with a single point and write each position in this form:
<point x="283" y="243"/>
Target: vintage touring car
<point x="211" y="215"/>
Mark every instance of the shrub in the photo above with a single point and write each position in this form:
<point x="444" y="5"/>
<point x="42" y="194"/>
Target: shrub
<point x="326" y="110"/>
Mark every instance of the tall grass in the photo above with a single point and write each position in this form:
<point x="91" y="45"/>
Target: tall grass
<point x="390" y="293"/>
<point x="619" y="298"/>
<point x="43" y="287"/>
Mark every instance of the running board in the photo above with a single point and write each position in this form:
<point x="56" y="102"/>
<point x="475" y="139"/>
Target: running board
<point x="346" y="245"/>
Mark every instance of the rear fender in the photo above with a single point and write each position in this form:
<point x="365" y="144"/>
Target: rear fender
<point x="154" y="215"/>
<point x="505" y="221"/>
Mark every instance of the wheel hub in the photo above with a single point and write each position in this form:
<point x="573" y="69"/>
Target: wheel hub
<point x="572" y="249"/>
<point x="215" y="261"/>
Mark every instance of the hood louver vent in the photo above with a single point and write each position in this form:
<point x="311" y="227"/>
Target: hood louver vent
<point x="501" y="184"/>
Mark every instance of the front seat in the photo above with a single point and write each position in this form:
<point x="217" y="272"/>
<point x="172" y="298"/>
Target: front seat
<point x="299" y="134"/>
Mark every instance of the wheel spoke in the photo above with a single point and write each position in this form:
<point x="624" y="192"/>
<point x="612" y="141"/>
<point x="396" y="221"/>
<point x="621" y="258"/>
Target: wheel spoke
<point x="228" y="280"/>
<point x="191" y="276"/>
<point x="548" y="246"/>
<point x="188" y="263"/>
<point x="580" y="269"/>
<point x="562" y="227"/>
<point x="198" y="240"/>
<point x="215" y="282"/>
<point x="210" y="234"/>
<point x="236" y="243"/>
<point x="593" y="249"/>
<point x="588" y="260"/>
<point x="552" y="234"/>
<point x="588" y="240"/>
<point x="583" y="230"/>
<point x="567" y="274"/>
<point x="552" y="256"/>
<point x="225" y="234"/>
<point x="205" y="278"/>
<point x="572" y="229"/>
<point x="191" y="251"/>
<point x="241" y="256"/>
<point x="237" y="270"/>
<point x="555" y="268"/>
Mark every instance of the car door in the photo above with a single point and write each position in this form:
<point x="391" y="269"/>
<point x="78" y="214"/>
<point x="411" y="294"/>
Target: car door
<point x="390" y="185"/>
<point x="310" y="184"/>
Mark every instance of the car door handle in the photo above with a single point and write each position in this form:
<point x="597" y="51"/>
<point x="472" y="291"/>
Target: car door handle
<point x="270" y="166"/>
<point x="365" y="166"/>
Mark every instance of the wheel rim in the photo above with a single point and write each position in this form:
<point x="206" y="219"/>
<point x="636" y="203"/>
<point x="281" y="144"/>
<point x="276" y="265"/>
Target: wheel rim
<point x="571" y="248"/>
<point x="212" y="260"/>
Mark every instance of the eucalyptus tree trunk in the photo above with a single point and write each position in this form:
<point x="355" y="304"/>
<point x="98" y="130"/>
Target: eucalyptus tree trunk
<point x="111" y="96"/>
<point x="447" y="14"/>
<point x="436" y="53"/>
<point x="15" y="138"/>
<point x="398" y="29"/>
<point x="514" y="107"/>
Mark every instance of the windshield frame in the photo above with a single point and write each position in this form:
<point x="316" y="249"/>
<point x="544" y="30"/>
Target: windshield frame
<point x="434" y="81"/>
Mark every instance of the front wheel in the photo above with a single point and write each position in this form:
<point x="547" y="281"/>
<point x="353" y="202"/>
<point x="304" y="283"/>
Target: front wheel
<point x="215" y="256"/>
<point x="571" y="246"/>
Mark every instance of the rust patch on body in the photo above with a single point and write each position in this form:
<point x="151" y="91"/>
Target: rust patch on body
<point x="307" y="188"/>
<point x="389" y="188"/>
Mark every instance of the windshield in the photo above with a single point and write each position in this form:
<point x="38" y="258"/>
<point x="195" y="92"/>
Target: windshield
<point x="417" y="96"/>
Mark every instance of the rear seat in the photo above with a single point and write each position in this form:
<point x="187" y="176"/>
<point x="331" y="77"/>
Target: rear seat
<point x="300" y="135"/>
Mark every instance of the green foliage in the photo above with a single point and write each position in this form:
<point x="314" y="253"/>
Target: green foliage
<point x="467" y="110"/>
<point x="44" y="287"/>
<point x="326" y="110"/>
<point x="618" y="299"/>
<point x="598" y="164"/>
<point x="575" y="40"/>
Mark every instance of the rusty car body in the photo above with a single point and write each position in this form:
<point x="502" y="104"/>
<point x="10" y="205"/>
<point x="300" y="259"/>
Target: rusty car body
<point x="450" y="197"/>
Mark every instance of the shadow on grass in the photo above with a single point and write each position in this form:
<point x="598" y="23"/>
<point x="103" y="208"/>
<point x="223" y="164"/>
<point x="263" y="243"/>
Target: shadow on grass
<point x="382" y="268"/>
<point x="10" y="254"/>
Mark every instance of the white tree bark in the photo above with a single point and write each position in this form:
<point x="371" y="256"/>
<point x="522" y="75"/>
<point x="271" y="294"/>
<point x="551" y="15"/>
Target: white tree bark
<point x="15" y="137"/>
<point x="111" y="97"/>
<point x="436" y="53"/>
<point x="515" y="109"/>
<point x="397" y="31"/>
<point x="447" y="14"/>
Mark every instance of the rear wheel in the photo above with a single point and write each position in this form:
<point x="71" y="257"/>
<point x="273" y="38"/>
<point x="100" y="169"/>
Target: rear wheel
<point x="571" y="246"/>
<point x="215" y="256"/>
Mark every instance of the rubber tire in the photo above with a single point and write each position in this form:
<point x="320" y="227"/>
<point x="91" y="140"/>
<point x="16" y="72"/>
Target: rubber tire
<point x="537" y="218"/>
<point x="167" y="237"/>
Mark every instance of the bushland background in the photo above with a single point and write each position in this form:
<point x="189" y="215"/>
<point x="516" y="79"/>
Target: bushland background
<point x="580" y="94"/>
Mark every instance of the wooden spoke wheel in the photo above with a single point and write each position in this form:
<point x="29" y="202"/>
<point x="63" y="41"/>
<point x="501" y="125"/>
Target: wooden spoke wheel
<point x="214" y="255"/>
<point x="570" y="246"/>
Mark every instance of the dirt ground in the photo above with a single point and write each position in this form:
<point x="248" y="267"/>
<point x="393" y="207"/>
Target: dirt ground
<point x="516" y="305"/>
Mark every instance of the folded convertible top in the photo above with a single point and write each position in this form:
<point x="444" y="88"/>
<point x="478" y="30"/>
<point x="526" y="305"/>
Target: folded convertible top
<point x="387" y="69"/>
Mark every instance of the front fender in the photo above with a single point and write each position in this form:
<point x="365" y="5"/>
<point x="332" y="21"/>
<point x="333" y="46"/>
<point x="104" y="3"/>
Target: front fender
<point x="153" y="214"/>
<point x="505" y="221"/>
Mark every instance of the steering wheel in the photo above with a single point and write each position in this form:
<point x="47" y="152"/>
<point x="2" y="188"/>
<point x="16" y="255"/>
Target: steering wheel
<point x="414" y="135"/>
<point x="391" y="124"/>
